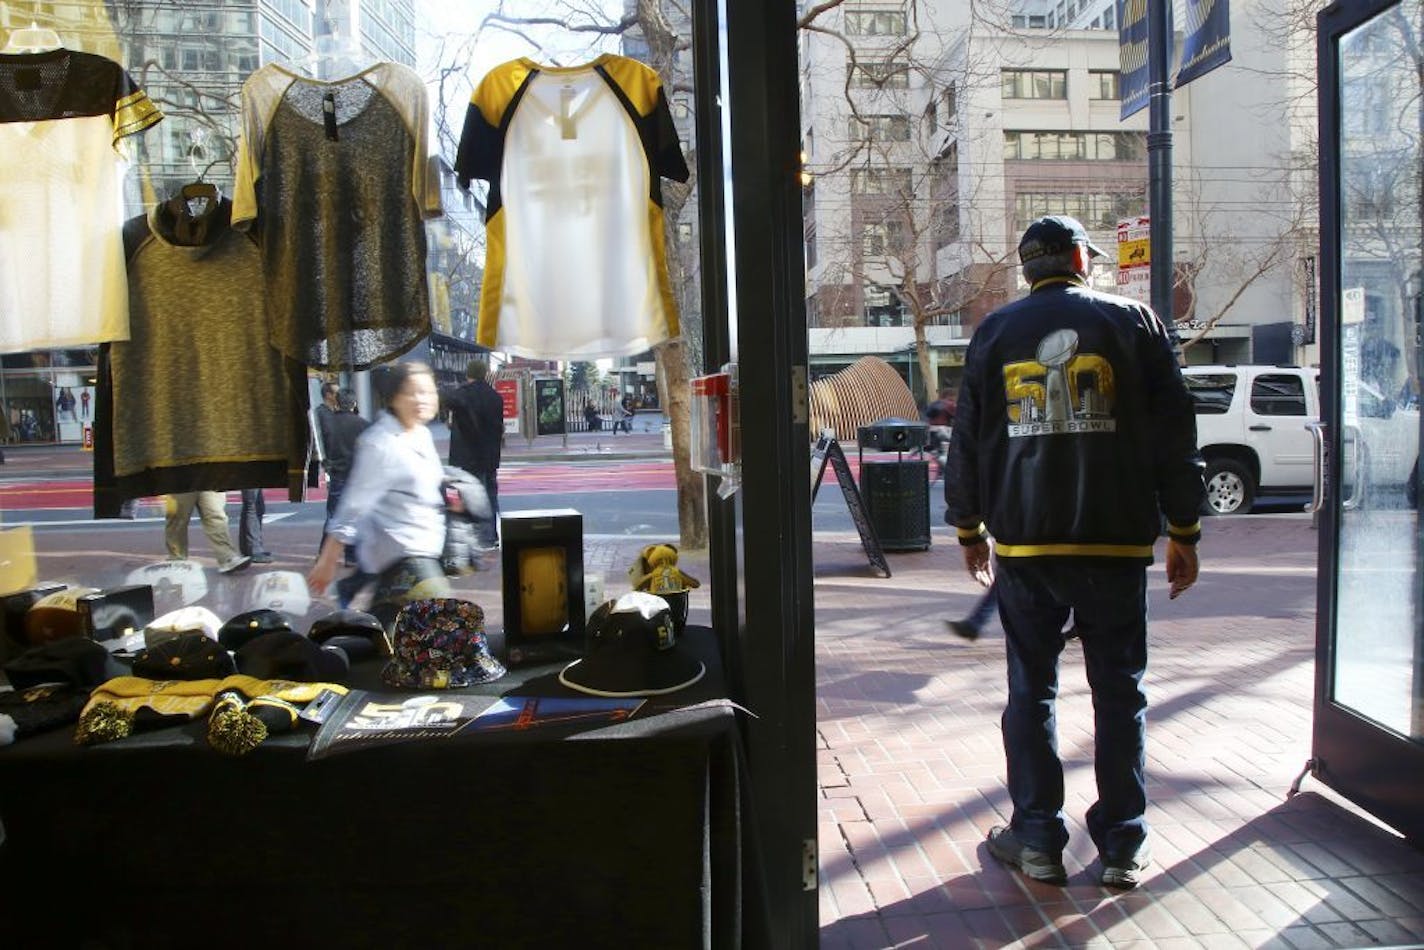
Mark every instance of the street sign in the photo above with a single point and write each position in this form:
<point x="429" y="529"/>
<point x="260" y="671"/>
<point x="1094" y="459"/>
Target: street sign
<point x="1352" y="305"/>
<point x="829" y="451"/>
<point x="1134" y="258"/>
<point x="508" y="390"/>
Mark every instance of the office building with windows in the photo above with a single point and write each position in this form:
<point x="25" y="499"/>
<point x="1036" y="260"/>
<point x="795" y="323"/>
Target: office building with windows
<point x="932" y="141"/>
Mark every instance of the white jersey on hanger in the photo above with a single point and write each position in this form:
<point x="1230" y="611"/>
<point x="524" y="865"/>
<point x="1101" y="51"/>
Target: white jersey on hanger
<point x="576" y="266"/>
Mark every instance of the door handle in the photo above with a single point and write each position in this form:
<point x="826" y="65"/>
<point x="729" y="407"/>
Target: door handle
<point x="1317" y="497"/>
<point x="1356" y="437"/>
<point x="1260" y="428"/>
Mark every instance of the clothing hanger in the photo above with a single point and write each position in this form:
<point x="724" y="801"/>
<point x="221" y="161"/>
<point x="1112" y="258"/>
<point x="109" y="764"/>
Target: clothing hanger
<point x="199" y="188"/>
<point x="32" y="39"/>
<point x="199" y="196"/>
<point x="334" y="56"/>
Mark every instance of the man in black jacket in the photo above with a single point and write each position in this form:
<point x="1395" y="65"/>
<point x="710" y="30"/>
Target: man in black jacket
<point x="340" y="430"/>
<point x="476" y="433"/>
<point x="1074" y="435"/>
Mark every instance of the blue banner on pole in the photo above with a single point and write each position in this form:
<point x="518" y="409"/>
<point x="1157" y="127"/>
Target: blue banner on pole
<point x="1133" y="79"/>
<point x="1207" y="42"/>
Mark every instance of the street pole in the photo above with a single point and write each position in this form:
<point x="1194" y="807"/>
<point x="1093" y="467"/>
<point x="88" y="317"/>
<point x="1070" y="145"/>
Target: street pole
<point x="1159" y="160"/>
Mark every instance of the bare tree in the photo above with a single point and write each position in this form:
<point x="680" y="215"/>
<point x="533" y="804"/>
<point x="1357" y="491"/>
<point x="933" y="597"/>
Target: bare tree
<point x="1211" y="247"/>
<point x="901" y="205"/>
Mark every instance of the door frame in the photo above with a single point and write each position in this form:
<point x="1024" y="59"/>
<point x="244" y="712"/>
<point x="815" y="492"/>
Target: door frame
<point x="1377" y="769"/>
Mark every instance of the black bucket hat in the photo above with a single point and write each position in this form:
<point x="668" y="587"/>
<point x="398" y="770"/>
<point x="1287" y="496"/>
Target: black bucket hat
<point x="633" y="650"/>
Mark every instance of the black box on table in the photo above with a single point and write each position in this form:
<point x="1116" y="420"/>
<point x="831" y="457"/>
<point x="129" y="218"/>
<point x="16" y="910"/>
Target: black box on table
<point x="117" y="611"/>
<point x="542" y="559"/>
<point x="13" y="608"/>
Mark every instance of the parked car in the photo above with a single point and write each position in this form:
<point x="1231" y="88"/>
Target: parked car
<point x="1252" y="426"/>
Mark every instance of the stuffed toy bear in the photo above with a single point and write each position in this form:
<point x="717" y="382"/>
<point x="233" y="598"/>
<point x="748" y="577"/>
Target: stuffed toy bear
<point x="656" y="572"/>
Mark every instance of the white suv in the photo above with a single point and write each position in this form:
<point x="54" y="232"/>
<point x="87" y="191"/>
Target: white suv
<point x="1252" y="427"/>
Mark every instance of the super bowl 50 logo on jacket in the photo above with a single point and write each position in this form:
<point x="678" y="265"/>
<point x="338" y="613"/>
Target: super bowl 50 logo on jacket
<point x="1061" y="392"/>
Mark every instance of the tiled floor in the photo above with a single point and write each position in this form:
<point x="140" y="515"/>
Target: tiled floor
<point x="911" y="769"/>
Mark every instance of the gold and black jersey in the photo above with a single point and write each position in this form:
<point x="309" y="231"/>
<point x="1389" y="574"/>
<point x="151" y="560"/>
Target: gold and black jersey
<point x="576" y="265"/>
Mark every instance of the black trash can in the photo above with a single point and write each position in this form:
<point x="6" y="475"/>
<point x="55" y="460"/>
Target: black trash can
<point x="897" y="492"/>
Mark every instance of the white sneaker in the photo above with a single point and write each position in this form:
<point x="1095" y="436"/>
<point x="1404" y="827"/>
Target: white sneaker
<point x="236" y="564"/>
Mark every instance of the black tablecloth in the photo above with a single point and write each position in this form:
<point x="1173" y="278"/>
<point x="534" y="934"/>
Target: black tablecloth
<point x="626" y="835"/>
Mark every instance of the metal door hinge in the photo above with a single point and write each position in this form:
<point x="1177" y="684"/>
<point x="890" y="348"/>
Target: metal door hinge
<point x="809" y="880"/>
<point x="800" y="396"/>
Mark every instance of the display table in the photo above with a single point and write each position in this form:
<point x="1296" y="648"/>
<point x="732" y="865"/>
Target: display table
<point x="625" y="835"/>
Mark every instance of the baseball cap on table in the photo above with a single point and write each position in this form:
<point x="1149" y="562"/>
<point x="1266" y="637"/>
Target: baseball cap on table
<point x="284" y="655"/>
<point x="252" y="623"/>
<point x="191" y="655"/>
<point x="359" y="633"/>
<point x="440" y="643"/>
<point x="56" y="616"/>
<point x="632" y="650"/>
<point x="1054" y="234"/>
<point x="183" y="620"/>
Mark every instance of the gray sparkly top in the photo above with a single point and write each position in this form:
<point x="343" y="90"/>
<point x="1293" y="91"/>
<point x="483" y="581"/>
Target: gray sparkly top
<point x="334" y="174"/>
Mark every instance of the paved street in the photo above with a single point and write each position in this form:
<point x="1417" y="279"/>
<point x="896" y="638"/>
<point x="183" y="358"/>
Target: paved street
<point x="911" y="768"/>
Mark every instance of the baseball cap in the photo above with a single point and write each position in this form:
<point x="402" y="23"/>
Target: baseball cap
<point x="183" y="620"/>
<point x="357" y="632"/>
<point x="633" y="650"/>
<point x="191" y="655"/>
<point x="285" y="655"/>
<point x="56" y="616"/>
<point x="1054" y="234"/>
<point x="252" y="623"/>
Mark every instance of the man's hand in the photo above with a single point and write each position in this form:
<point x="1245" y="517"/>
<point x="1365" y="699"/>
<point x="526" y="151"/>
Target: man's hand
<point x="976" y="560"/>
<point x="1182" y="567"/>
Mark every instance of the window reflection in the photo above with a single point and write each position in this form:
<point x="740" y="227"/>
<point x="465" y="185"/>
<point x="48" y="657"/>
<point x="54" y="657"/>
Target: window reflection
<point x="1380" y="162"/>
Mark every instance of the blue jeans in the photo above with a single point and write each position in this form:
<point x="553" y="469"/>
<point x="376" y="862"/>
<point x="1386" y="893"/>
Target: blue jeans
<point x="984" y="608"/>
<point x="249" y="525"/>
<point x="1109" y="604"/>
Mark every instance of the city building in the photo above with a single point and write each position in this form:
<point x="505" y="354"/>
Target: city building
<point x="1028" y="123"/>
<point x="932" y="139"/>
<point x="869" y="202"/>
<point x="1244" y="190"/>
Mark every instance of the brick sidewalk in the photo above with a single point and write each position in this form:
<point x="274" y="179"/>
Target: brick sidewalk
<point x="912" y="774"/>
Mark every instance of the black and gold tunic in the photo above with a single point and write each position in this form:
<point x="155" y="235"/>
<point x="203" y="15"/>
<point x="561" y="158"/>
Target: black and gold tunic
<point x="334" y="175"/>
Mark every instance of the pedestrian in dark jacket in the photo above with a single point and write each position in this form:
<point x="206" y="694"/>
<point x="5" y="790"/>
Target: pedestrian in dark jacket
<point x="476" y="434"/>
<point x="1074" y="435"/>
<point x="341" y="428"/>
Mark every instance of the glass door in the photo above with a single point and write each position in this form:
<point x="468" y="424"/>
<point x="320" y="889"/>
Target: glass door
<point x="1368" y="741"/>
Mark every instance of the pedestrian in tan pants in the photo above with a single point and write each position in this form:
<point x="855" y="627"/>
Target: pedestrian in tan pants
<point x="212" y="513"/>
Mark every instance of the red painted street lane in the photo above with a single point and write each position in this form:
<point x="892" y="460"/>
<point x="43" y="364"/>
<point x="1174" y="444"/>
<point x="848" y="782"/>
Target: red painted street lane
<point x="550" y="478"/>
